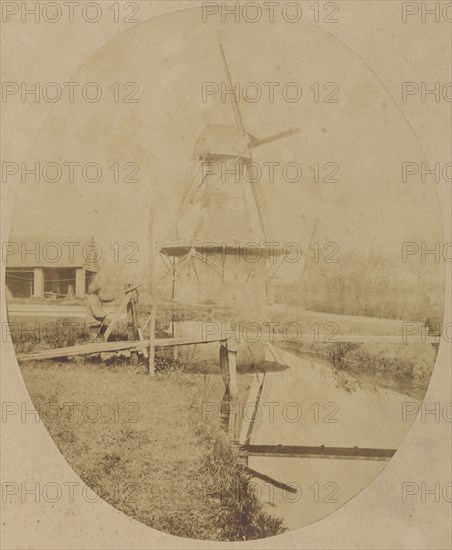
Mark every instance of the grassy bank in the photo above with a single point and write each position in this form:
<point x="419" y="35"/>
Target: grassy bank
<point x="145" y="446"/>
<point x="401" y="368"/>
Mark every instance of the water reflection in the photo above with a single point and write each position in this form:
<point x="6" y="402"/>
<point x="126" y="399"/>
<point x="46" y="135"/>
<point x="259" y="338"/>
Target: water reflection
<point x="309" y="405"/>
<point x="230" y="415"/>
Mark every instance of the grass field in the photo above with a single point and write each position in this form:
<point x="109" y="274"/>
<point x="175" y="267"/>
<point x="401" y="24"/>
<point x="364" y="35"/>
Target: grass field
<point x="144" y="446"/>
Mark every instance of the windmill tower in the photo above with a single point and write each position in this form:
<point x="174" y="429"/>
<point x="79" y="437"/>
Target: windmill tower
<point x="221" y="248"/>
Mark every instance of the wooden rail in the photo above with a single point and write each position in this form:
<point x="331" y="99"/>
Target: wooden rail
<point x="292" y="451"/>
<point x="99" y="347"/>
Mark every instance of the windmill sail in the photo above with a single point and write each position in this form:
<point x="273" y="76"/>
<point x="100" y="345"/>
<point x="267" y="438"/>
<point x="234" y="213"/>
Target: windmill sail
<point x="260" y="200"/>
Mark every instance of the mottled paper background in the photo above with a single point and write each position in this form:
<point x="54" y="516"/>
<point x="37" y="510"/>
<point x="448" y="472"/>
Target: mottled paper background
<point x="376" y="518"/>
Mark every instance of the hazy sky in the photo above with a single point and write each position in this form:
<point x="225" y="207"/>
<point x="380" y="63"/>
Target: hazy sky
<point x="170" y="57"/>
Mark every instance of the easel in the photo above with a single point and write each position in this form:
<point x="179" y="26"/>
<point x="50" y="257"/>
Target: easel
<point x="135" y="332"/>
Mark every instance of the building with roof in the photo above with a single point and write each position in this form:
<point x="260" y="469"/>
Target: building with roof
<point x="50" y="266"/>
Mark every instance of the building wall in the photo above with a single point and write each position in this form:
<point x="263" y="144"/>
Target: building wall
<point x="41" y="282"/>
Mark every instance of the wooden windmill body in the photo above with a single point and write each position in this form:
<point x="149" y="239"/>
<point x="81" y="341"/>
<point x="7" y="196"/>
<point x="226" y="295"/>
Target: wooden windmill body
<point x="223" y="241"/>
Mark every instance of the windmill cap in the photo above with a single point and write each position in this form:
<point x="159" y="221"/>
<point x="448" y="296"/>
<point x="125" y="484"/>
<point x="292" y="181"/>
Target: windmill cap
<point x="221" y="140"/>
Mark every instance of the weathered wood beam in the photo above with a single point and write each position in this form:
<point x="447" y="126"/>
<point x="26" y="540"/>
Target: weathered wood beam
<point x="312" y="338"/>
<point x="84" y="349"/>
<point x="228" y="367"/>
<point x="223" y="361"/>
<point x="232" y="349"/>
<point x="153" y="289"/>
<point x="98" y="347"/>
<point x="273" y="481"/>
<point x="293" y="451"/>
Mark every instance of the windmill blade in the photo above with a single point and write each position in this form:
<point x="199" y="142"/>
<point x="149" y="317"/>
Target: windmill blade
<point x="311" y="240"/>
<point x="262" y="211"/>
<point x="234" y="103"/>
<point x="261" y="206"/>
<point x="255" y="142"/>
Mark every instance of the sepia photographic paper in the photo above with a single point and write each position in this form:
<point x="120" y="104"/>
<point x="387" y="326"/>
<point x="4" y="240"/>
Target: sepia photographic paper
<point x="226" y="266"/>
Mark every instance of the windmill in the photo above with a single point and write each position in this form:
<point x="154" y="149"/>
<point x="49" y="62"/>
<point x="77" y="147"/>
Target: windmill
<point x="222" y="243"/>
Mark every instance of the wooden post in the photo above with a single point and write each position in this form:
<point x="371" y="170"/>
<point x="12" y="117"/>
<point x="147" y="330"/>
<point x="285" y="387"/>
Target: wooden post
<point x="229" y="404"/>
<point x="228" y="366"/>
<point x="173" y="294"/>
<point x="38" y="282"/>
<point x="80" y="277"/>
<point x="224" y="365"/>
<point x="232" y="368"/>
<point x="230" y="418"/>
<point x="151" y="364"/>
<point x="131" y="324"/>
<point x="130" y="318"/>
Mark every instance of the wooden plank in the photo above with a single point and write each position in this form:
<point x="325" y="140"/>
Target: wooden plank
<point x="293" y="451"/>
<point x="185" y="341"/>
<point x="44" y="310"/>
<point x="312" y="338"/>
<point x="85" y="349"/>
<point x="98" y="347"/>
<point x="377" y="339"/>
<point x="388" y="339"/>
<point x="191" y="340"/>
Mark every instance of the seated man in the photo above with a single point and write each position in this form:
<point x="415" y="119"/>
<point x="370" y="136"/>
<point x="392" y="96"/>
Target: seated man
<point x="95" y="315"/>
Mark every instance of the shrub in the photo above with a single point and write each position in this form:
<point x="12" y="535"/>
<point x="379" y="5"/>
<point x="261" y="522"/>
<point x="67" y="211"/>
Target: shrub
<point x="241" y="516"/>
